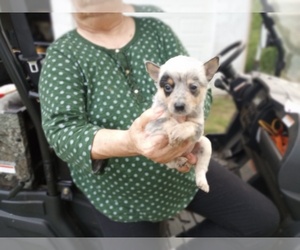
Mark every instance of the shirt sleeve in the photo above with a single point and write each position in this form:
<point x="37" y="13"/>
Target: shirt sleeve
<point x="173" y="47"/>
<point x="63" y="94"/>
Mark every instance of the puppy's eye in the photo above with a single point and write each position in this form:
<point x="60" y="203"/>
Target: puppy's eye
<point x="193" y="87"/>
<point x="168" y="88"/>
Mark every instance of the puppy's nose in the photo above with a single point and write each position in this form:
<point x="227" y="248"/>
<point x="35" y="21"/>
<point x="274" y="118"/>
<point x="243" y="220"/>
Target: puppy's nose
<point x="179" y="106"/>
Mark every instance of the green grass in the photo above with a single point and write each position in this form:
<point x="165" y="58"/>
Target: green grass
<point x="220" y="115"/>
<point x="269" y="54"/>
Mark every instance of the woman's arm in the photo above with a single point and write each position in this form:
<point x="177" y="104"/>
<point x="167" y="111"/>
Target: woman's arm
<point x="135" y="141"/>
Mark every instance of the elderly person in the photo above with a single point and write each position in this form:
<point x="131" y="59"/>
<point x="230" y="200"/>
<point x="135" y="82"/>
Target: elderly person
<point x="95" y="97"/>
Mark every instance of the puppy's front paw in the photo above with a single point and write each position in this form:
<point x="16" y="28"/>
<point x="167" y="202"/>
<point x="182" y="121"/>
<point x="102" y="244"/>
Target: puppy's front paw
<point x="178" y="134"/>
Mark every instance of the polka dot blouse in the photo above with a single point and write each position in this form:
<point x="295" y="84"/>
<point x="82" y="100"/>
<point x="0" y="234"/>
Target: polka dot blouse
<point x="85" y="87"/>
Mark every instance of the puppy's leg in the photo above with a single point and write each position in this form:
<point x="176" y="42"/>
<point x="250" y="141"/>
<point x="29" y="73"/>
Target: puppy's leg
<point x="203" y="151"/>
<point x="184" y="131"/>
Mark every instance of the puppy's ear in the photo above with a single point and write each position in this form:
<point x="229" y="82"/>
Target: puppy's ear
<point x="211" y="67"/>
<point x="153" y="70"/>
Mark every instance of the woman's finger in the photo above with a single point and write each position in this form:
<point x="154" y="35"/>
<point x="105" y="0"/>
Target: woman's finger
<point x="192" y="159"/>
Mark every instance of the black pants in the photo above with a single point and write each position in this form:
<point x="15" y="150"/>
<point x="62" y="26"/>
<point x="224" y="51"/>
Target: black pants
<point x="232" y="208"/>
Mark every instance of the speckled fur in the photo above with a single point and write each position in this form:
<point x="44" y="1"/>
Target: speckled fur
<point x="182" y="84"/>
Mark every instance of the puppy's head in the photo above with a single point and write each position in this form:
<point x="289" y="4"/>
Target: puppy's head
<point x="182" y="83"/>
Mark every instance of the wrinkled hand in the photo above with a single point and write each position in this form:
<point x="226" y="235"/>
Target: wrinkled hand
<point x="156" y="147"/>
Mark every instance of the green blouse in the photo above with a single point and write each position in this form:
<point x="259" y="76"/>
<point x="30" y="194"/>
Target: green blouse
<point x="85" y="87"/>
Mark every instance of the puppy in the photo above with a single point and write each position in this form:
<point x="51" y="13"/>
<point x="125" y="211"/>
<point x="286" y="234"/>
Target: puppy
<point x="182" y="83"/>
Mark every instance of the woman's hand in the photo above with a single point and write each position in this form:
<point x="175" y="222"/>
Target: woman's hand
<point x="155" y="147"/>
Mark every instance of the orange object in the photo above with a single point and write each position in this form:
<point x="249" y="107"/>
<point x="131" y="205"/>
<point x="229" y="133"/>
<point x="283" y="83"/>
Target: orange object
<point x="275" y="130"/>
